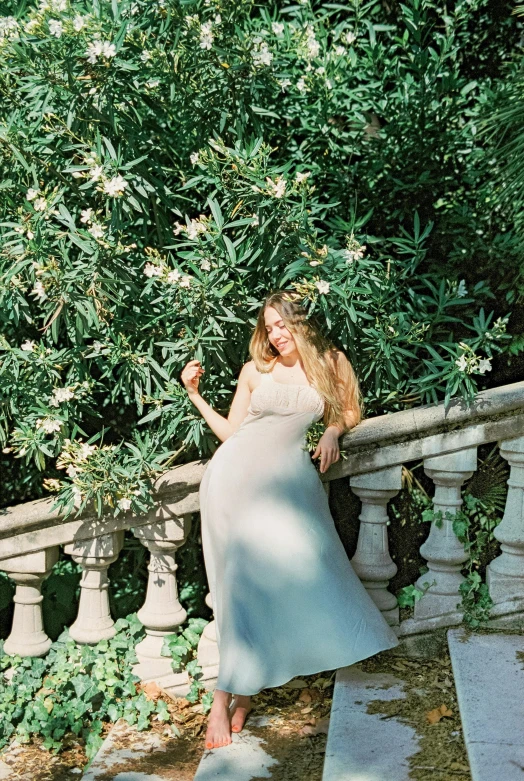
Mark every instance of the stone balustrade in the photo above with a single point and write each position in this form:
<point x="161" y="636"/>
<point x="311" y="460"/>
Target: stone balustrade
<point x="444" y="439"/>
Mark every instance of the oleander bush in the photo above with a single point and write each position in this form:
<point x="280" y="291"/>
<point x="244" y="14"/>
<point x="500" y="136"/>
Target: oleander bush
<point x="163" y="165"/>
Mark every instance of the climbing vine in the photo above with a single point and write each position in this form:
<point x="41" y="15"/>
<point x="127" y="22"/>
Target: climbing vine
<point x="474" y="525"/>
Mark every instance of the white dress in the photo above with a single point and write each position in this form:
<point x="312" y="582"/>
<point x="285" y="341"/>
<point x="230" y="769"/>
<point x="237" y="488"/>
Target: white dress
<point x="286" y="599"/>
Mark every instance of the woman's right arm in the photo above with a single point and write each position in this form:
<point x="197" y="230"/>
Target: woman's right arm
<point x="219" y="425"/>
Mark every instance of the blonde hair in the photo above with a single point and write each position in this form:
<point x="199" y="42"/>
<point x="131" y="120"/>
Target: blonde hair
<point x="327" y="369"/>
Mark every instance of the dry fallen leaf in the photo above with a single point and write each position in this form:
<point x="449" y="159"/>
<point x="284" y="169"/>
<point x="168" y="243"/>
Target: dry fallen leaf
<point x="308" y="709"/>
<point x="305" y="696"/>
<point x="322" y="725"/>
<point x="152" y="690"/>
<point x="435" y="715"/>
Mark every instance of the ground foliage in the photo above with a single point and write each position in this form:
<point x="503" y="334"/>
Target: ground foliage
<point x="76" y="688"/>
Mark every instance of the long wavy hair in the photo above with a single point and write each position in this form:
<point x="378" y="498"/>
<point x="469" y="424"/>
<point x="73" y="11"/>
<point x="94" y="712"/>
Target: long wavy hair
<point x="327" y="370"/>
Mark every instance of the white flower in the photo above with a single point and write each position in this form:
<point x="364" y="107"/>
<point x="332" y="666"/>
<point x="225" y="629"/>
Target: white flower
<point x="256" y="221"/>
<point x="8" y="27"/>
<point x="124" y="503"/>
<point x="39" y="291"/>
<point x="262" y="55"/>
<point x="340" y="50"/>
<point x="302" y="176"/>
<point x="78" y="23"/>
<point x="313" y="48"/>
<point x="322" y="286"/>
<point x="152" y="83"/>
<point x="58" y="5"/>
<point x="484" y="365"/>
<point x="205" y="265"/>
<point x="285" y="83"/>
<point x="85" y="451"/>
<point x="49" y="425"/>
<point x="96" y="230"/>
<point x="462" y="289"/>
<point x="87" y="215"/>
<point x="71" y="471"/>
<point x="348" y="37"/>
<point x="146" y="56"/>
<point x="185" y="281"/>
<point x="278" y="28"/>
<point x="28" y="346"/>
<point x="194" y="158"/>
<point x="56" y="28"/>
<point x="30" y="235"/>
<point x="96" y="172"/>
<point x="32" y="25"/>
<point x="278" y="187"/>
<point x="206" y="36"/>
<point x="174" y="276"/>
<point x="108" y="49"/>
<point x="301" y="85"/>
<point x="115" y="186"/>
<point x="31" y="194"/>
<point x="195" y="228"/>
<point x="178" y="229"/>
<point x="150" y="270"/>
<point x="94" y="51"/>
<point x="60" y="395"/>
<point x="218" y="19"/>
<point x="462" y="363"/>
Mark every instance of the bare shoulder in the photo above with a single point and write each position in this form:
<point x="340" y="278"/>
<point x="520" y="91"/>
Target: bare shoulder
<point x="249" y="373"/>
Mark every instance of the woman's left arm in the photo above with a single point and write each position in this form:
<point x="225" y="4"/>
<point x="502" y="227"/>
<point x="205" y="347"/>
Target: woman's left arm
<point x="328" y="446"/>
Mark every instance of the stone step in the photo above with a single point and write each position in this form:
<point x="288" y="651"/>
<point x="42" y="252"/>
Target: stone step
<point x="489" y="678"/>
<point x="242" y="760"/>
<point x="357" y="741"/>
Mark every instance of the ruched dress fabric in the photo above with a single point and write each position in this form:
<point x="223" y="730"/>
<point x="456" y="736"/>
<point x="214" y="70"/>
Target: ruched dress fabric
<point x="286" y="598"/>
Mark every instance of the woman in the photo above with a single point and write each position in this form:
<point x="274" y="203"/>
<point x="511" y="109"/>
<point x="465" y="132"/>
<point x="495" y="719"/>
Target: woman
<point x="286" y="599"/>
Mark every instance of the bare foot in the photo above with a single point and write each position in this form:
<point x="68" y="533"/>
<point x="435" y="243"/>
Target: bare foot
<point x="241" y="707"/>
<point x="218" y="731"/>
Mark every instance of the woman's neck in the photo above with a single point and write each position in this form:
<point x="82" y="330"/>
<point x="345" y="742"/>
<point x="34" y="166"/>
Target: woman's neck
<point x="289" y="360"/>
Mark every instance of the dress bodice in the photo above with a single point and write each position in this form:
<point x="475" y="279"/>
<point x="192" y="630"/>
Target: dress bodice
<point x="274" y="396"/>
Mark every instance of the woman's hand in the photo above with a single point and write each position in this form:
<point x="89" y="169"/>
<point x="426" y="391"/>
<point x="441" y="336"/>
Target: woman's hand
<point x="328" y="448"/>
<point x="190" y="376"/>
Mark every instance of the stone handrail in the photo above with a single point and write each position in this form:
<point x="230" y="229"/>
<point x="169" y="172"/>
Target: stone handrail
<point x="445" y="438"/>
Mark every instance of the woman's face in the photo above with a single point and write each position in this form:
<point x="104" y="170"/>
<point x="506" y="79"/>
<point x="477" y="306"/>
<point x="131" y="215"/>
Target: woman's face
<point x="277" y="333"/>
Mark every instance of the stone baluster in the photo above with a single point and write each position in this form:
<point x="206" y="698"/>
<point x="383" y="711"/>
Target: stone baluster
<point x="94" y="622"/>
<point x="443" y="551"/>
<point x="505" y="574"/>
<point x="372" y="561"/>
<point x="208" y="655"/>
<point x="28" y="637"/>
<point x="162" y="612"/>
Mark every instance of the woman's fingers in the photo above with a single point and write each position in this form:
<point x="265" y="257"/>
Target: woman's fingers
<point x="328" y="457"/>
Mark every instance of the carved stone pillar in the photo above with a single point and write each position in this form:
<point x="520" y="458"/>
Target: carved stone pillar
<point x="444" y="553"/>
<point x="372" y="561"/>
<point x="505" y="574"/>
<point x="208" y="656"/>
<point x="162" y="612"/>
<point x="28" y="637"/>
<point x="94" y="622"/>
